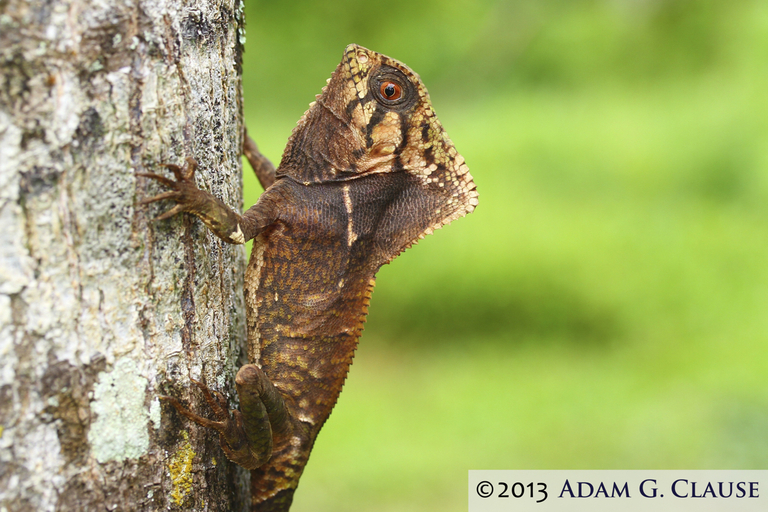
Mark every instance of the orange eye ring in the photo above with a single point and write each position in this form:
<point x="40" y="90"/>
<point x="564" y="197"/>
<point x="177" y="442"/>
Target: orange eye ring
<point x="390" y="90"/>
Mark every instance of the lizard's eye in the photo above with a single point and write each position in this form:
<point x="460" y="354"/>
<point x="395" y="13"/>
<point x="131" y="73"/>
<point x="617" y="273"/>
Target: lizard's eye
<point x="391" y="90"/>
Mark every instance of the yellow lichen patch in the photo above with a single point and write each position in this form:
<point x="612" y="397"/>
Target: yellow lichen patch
<point x="180" y="468"/>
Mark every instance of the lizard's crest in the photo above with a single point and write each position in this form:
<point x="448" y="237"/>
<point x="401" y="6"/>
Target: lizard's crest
<point x="375" y="116"/>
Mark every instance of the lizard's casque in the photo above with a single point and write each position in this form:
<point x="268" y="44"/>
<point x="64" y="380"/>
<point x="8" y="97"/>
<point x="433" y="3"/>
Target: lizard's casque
<point x="348" y="132"/>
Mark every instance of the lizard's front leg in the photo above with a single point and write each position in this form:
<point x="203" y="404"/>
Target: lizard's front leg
<point x="225" y="223"/>
<point x="220" y="218"/>
<point x="262" y="167"/>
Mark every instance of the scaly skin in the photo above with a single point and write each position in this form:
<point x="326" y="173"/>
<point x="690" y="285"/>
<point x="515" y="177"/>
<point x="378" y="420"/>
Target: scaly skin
<point x="367" y="171"/>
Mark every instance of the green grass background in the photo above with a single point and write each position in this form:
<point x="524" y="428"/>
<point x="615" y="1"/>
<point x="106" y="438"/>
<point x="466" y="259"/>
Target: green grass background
<point x="606" y="306"/>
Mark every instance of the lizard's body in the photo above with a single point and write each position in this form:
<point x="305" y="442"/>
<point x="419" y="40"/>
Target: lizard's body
<point x="307" y="334"/>
<point x="365" y="174"/>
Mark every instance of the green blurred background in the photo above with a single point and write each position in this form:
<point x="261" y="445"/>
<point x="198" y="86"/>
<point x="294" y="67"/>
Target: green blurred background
<point x="605" y="305"/>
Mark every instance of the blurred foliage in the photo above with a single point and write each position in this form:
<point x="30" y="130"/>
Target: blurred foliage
<point x="605" y="306"/>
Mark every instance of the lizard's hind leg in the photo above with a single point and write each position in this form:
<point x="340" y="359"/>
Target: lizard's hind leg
<point x="246" y="435"/>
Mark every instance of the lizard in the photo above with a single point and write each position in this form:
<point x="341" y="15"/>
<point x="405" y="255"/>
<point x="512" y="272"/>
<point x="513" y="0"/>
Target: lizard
<point x="367" y="172"/>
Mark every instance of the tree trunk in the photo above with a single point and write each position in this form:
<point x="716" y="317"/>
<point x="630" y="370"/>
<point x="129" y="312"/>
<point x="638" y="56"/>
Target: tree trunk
<point x="102" y="310"/>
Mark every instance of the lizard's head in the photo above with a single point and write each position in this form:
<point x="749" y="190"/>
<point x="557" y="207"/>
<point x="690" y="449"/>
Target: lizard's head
<point x="375" y="116"/>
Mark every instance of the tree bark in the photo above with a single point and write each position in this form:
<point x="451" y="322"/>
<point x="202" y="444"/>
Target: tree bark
<point x="101" y="309"/>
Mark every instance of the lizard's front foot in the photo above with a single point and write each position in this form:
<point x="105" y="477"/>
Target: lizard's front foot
<point x="224" y="222"/>
<point x="247" y="435"/>
<point x="183" y="190"/>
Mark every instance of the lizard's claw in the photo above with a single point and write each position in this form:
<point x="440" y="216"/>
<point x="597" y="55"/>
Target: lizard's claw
<point x="215" y="400"/>
<point x="182" y="190"/>
<point x="183" y="173"/>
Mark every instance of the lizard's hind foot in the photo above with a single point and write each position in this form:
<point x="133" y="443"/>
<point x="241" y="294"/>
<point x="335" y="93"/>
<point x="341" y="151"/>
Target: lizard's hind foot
<point x="246" y="435"/>
<point x="249" y="446"/>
